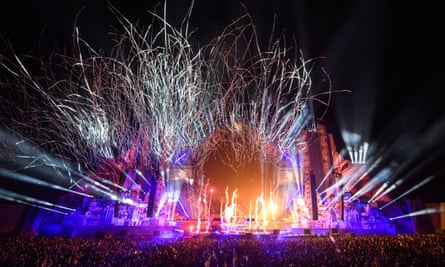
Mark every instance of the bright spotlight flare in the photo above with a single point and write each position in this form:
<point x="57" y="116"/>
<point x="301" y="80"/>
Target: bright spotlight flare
<point x="415" y="187"/>
<point x="419" y="213"/>
<point x="31" y="201"/>
<point x="357" y="149"/>
<point x="28" y="179"/>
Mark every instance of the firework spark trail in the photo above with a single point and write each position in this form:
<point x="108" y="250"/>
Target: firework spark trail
<point x="150" y="95"/>
<point x="265" y="97"/>
<point x="153" y="97"/>
<point x="176" y="96"/>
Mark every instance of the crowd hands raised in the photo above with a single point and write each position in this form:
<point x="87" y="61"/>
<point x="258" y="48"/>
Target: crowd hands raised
<point x="342" y="250"/>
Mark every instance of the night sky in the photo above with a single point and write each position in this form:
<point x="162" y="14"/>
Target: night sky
<point x="385" y="57"/>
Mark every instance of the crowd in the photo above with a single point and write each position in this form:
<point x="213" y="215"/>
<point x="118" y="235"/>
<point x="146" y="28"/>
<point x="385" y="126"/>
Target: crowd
<point x="341" y="250"/>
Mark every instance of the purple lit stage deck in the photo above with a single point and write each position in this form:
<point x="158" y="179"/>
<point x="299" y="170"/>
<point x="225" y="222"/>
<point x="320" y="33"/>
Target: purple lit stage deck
<point x="188" y="228"/>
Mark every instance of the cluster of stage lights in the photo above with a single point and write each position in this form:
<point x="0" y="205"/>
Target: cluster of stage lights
<point x="356" y="147"/>
<point x="358" y="154"/>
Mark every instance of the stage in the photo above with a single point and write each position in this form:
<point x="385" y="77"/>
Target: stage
<point x="188" y="228"/>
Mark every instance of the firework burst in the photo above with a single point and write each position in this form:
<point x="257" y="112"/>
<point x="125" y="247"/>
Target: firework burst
<point x="154" y="97"/>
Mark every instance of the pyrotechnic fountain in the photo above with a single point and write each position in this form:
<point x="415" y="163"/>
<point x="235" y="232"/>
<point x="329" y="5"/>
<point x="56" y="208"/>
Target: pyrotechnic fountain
<point x="139" y="125"/>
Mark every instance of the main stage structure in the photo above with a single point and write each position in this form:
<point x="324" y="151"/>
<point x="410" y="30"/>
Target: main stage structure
<point x="127" y="136"/>
<point x="308" y="198"/>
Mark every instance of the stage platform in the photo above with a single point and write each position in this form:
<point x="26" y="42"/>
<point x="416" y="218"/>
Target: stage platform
<point x="184" y="229"/>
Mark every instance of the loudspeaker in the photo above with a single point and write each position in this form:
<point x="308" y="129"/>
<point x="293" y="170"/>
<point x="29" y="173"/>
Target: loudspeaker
<point x="342" y="207"/>
<point x="314" y="199"/>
